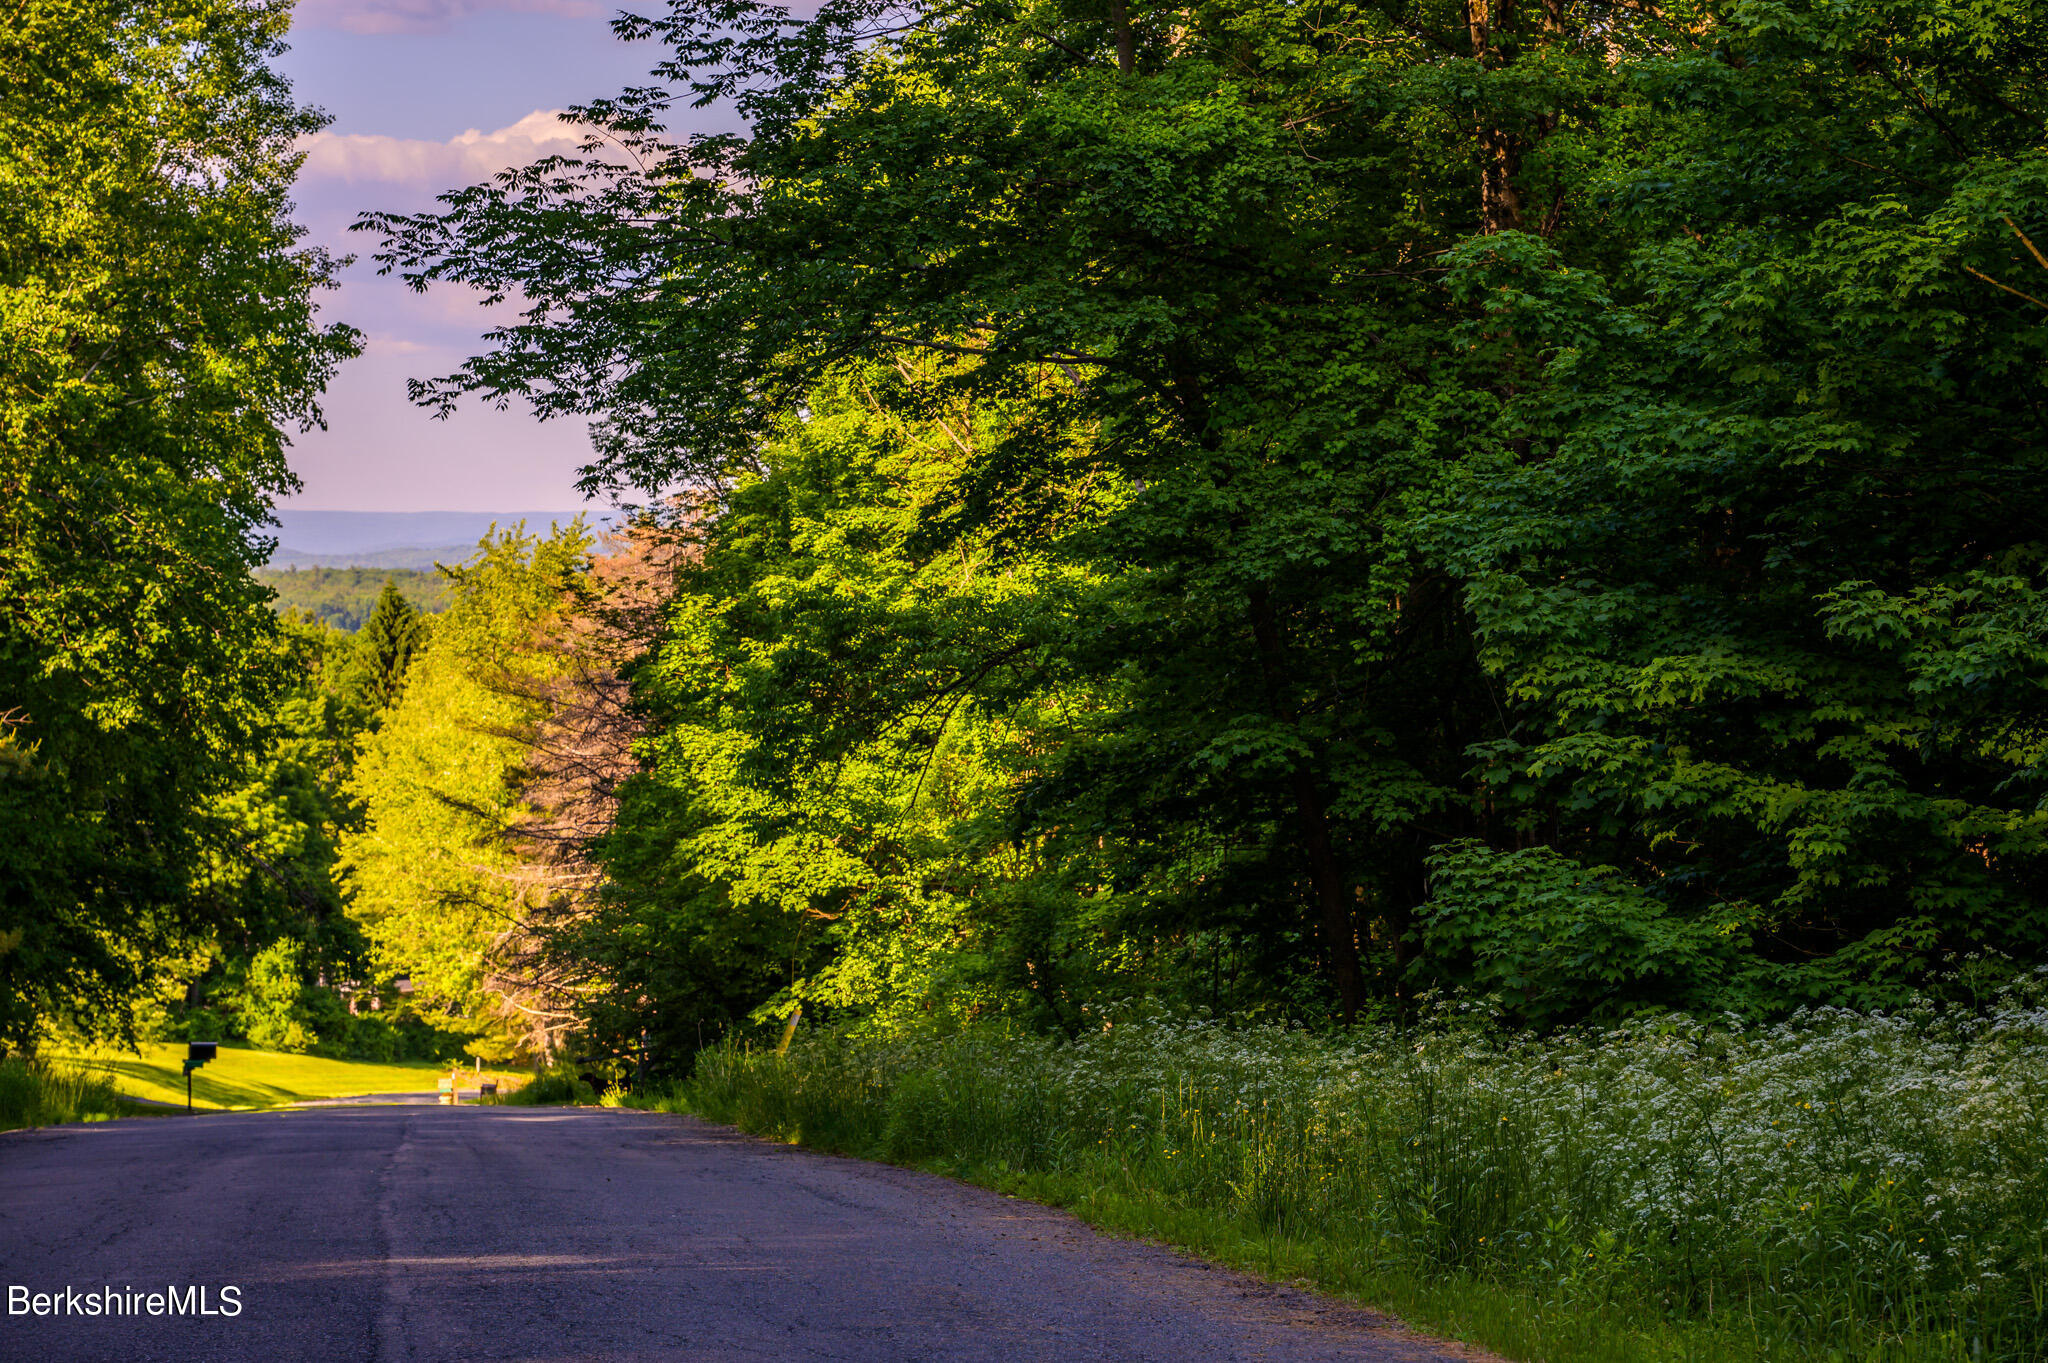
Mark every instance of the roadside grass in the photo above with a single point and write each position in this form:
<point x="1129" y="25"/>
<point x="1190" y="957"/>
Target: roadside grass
<point x="1842" y="1187"/>
<point x="242" y="1078"/>
<point x="35" y="1093"/>
<point x="1504" y="1317"/>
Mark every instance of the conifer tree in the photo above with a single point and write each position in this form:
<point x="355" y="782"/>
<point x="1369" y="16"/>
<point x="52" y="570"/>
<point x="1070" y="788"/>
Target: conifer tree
<point x="390" y="637"/>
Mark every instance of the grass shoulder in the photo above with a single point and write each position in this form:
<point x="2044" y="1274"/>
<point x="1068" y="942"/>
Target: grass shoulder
<point x="243" y="1078"/>
<point x="41" y="1093"/>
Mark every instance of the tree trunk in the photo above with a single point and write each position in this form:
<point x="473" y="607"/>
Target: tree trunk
<point x="1500" y="203"/>
<point x="1340" y="938"/>
<point x="1500" y="151"/>
<point x="1126" y="45"/>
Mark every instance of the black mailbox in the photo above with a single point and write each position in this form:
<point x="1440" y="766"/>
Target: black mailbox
<point x="197" y="1053"/>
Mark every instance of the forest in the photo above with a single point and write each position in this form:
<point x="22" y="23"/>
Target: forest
<point x="1311" y="519"/>
<point x="1286" y="511"/>
<point x="346" y="597"/>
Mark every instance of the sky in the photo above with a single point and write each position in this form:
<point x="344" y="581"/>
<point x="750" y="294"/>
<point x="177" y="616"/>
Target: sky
<point x="427" y="96"/>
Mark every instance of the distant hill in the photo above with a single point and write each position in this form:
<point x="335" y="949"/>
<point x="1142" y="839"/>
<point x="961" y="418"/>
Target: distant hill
<point x="395" y="539"/>
<point x="344" y="597"/>
<point x="414" y="558"/>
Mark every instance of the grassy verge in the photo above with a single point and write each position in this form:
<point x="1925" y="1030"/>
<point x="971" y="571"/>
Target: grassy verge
<point x="1842" y="1187"/>
<point x="242" y="1078"/>
<point x="40" y="1094"/>
<point x="1504" y="1317"/>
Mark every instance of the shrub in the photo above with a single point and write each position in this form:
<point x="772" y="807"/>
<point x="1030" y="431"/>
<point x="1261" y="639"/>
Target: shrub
<point x="275" y="1015"/>
<point x="558" y="1085"/>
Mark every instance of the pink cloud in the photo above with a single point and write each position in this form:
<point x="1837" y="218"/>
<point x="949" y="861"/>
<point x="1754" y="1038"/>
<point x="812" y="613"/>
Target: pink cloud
<point x="359" y="158"/>
<point x="382" y="344"/>
<point x="424" y="16"/>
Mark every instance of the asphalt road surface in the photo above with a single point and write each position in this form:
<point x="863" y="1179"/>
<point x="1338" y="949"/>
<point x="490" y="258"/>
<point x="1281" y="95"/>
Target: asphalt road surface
<point x="434" y="1233"/>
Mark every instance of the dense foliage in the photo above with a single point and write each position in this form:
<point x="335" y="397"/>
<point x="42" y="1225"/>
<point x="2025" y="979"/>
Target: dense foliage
<point x="438" y="873"/>
<point x="157" y="342"/>
<point x="173" y="756"/>
<point x="1279" y="507"/>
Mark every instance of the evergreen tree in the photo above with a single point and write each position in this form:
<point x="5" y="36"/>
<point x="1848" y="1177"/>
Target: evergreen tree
<point x="390" y="637"/>
<point x="436" y="873"/>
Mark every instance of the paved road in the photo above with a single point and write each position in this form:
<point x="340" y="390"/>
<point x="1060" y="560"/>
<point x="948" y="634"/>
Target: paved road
<point x="434" y="1233"/>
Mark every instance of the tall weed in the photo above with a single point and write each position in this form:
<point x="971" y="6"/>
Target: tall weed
<point x="37" y="1094"/>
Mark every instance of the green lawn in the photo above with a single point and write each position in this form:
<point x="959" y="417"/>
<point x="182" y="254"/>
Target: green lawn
<point x="245" y="1078"/>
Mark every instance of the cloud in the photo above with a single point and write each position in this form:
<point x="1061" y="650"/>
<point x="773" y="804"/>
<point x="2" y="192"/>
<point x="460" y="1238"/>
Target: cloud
<point x="385" y="344"/>
<point x="359" y="158"/>
<point x="423" y="16"/>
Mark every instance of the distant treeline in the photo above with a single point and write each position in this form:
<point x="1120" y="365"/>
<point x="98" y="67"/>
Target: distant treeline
<point x="344" y="597"/>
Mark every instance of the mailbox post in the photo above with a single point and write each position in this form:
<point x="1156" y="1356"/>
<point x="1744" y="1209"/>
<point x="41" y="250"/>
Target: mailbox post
<point x="197" y="1053"/>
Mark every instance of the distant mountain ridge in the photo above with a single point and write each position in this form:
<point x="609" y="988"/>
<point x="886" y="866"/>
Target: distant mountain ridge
<point x="396" y="539"/>
<point x="421" y="557"/>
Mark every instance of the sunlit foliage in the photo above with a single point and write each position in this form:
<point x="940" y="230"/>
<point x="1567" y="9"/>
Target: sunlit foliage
<point x="157" y="345"/>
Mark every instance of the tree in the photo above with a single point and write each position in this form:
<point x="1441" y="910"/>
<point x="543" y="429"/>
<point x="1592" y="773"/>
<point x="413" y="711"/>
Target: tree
<point x="434" y="874"/>
<point x="385" y="647"/>
<point x="157" y="338"/>
<point x="572" y="962"/>
<point x="269" y="882"/>
<point x="1211" y="268"/>
<point x="1526" y="498"/>
<point x="1768" y="583"/>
